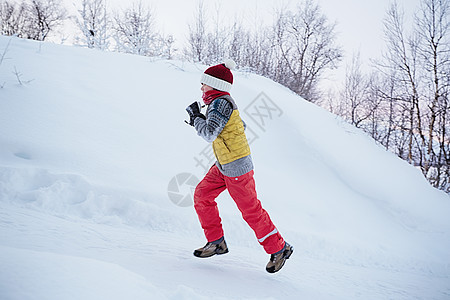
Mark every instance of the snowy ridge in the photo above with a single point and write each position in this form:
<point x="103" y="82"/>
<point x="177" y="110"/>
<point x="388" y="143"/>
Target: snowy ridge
<point x="90" y="141"/>
<point x="69" y="196"/>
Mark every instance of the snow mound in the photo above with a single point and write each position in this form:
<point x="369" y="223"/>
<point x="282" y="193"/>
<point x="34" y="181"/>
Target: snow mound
<point x="97" y="170"/>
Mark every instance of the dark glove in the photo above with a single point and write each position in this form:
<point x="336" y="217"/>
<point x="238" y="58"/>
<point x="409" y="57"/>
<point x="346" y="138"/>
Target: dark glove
<point x="194" y="112"/>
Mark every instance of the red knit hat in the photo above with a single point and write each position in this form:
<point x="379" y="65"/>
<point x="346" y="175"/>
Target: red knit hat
<point x="219" y="77"/>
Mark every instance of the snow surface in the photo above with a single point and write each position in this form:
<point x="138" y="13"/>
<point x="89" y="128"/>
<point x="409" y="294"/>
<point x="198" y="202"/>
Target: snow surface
<point x="92" y="142"/>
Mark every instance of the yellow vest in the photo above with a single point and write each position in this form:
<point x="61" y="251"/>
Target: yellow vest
<point x="231" y="144"/>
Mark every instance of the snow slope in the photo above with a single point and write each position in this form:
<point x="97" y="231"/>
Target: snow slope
<point x="92" y="145"/>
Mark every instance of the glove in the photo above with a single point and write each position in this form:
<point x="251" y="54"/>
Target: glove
<point x="194" y="108"/>
<point x="194" y="112"/>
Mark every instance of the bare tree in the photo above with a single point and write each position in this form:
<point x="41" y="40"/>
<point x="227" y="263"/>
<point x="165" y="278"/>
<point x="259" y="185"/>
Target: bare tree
<point x="12" y="18"/>
<point x="136" y="33"/>
<point x="166" y="46"/>
<point x="356" y="93"/>
<point x="94" y="23"/>
<point x="197" y="39"/>
<point x="294" y="51"/>
<point x="217" y="39"/>
<point x="239" y="39"/>
<point x="253" y="50"/>
<point x="405" y="106"/>
<point x="207" y="45"/>
<point x="43" y="17"/>
<point x="306" y="45"/>
<point x="32" y="20"/>
<point x="433" y="29"/>
<point x="134" y="30"/>
<point x="401" y="58"/>
<point x="391" y="121"/>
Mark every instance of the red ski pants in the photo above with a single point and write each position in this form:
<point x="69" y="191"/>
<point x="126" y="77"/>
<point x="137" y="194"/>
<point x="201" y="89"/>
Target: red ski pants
<point x="242" y="190"/>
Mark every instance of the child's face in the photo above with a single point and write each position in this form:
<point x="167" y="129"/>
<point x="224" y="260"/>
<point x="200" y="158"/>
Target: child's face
<point x="205" y="88"/>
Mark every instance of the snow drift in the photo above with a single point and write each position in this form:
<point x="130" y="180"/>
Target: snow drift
<point x="93" y="148"/>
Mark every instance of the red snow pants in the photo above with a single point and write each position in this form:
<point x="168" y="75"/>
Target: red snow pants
<point x="242" y="190"/>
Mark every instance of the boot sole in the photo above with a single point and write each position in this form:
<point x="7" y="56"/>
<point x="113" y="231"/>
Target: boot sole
<point x="199" y="254"/>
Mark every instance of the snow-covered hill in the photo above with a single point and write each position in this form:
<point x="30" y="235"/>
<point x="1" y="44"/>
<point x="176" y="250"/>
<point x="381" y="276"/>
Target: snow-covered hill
<point x="97" y="167"/>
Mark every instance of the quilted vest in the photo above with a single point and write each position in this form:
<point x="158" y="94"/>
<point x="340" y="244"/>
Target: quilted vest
<point x="231" y="144"/>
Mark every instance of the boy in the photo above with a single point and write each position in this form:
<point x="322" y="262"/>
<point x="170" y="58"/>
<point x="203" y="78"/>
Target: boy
<point x="233" y="170"/>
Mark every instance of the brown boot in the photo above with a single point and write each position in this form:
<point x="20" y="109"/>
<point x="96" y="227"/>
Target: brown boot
<point x="278" y="259"/>
<point x="212" y="248"/>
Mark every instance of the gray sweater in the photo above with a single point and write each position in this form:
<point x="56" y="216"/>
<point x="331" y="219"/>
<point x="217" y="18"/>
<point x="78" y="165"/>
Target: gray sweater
<point x="217" y="116"/>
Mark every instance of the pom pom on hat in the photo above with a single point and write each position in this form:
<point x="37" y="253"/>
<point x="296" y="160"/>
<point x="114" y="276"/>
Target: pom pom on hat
<point x="219" y="77"/>
<point x="230" y="64"/>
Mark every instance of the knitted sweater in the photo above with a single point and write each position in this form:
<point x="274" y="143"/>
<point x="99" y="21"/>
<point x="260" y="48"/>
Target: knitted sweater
<point x="218" y="115"/>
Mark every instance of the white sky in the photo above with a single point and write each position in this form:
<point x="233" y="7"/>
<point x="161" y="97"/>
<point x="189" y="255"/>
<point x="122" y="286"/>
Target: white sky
<point x="359" y="22"/>
<point x="360" y="25"/>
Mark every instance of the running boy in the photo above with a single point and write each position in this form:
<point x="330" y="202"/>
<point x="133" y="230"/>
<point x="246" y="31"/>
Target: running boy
<point x="222" y="126"/>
